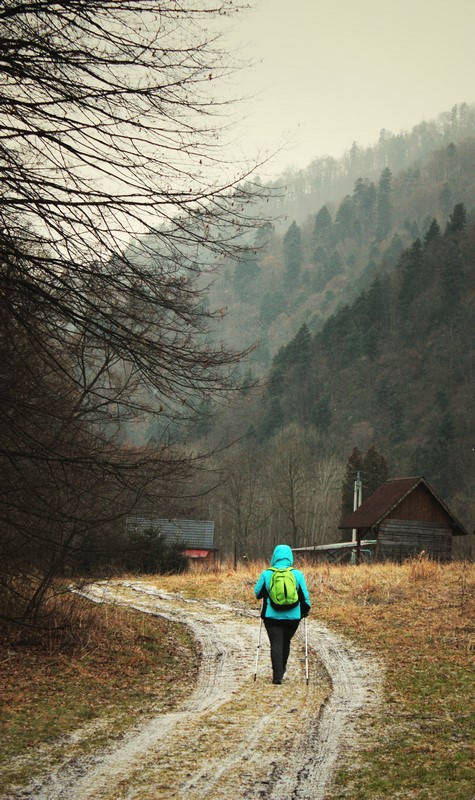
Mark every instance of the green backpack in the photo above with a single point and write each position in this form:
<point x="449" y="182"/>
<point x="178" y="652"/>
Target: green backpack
<point x="283" y="592"/>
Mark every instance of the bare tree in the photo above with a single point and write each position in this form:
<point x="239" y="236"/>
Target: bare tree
<point x="108" y="127"/>
<point x="305" y="482"/>
<point x="244" y="500"/>
<point x="115" y="197"/>
<point x="327" y="478"/>
<point x="291" y="457"/>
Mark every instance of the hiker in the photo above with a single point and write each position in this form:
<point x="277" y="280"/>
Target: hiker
<point x="285" y="600"/>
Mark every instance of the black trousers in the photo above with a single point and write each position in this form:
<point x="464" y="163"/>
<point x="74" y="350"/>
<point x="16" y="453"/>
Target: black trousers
<point x="280" y="632"/>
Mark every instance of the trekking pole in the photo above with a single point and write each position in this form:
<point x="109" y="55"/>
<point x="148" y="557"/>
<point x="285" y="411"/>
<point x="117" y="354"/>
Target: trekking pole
<point x="306" y="649"/>
<point x="258" y="646"/>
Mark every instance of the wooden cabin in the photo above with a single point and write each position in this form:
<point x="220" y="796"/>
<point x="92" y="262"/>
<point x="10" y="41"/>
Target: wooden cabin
<point x="196" y="536"/>
<point x="405" y="517"/>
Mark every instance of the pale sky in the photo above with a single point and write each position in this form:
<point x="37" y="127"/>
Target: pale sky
<point x="331" y="72"/>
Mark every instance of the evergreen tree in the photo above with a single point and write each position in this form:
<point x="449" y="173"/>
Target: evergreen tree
<point x="375" y="316"/>
<point x="323" y="222"/>
<point x="440" y="450"/>
<point x="451" y="150"/>
<point x="321" y="240"/>
<point x="149" y="552"/>
<point x="321" y="415"/>
<point x="412" y="277"/>
<point x="272" y="418"/>
<point x="359" y="191"/>
<point x="434" y="458"/>
<point x="372" y="469"/>
<point x="344" y="219"/>
<point x="444" y="439"/>
<point x="245" y="275"/>
<point x="457" y="220"/>
<point x="341" y="337"/>
<point x="452" y="282"/>
<point x="432" y="233"/>
<point x="298" y="350"/>
<point x="364" y="200"/>
<point x="383" y="224"/>
<point x="375" y="471"/>
<point x="294" y="355"/>
<point x="293" y="250"/>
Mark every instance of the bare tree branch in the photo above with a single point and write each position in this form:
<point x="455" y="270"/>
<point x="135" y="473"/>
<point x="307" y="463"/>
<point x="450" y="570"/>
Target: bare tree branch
<point x="115" y="197"/>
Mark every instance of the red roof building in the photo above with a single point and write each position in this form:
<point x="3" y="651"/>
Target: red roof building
<point x="195" y="536"/>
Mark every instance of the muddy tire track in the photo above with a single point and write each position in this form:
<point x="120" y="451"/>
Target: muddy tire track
<point x="217" y="743"/>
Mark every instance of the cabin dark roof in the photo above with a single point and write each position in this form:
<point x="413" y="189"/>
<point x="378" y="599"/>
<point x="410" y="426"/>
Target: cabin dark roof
<point x="385" y="499"/>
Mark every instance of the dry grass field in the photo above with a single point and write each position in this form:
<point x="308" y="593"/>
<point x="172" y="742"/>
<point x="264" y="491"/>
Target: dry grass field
<point x="418" y="618"/>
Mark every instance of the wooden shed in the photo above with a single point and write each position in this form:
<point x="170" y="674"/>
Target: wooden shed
<point x="405" y="517"/>
<point x="195" y="535"/>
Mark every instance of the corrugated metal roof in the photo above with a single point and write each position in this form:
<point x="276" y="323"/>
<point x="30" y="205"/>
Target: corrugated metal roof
<point x="193" y="533"/>
<point x="385" y="499"/>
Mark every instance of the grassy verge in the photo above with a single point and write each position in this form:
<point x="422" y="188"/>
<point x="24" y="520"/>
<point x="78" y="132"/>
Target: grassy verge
<point x="119" y="666"/>
<point x="419" y="618"/>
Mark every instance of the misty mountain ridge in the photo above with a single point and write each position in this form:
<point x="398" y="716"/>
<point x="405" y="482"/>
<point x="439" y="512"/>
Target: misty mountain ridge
<point x="328" y="179"/>
<point x="339" y="222"/>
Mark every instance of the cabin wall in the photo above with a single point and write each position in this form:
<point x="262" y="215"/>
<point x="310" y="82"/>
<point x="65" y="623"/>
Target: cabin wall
<point x="399" y="539"/>
<point x="421" y="505"/>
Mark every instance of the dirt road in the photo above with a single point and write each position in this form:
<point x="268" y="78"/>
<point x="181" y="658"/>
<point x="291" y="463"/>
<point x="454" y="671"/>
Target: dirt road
<point x="233" y="737"/>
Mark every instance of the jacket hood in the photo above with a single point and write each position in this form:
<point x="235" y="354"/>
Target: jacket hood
<point x="282" y="556"/>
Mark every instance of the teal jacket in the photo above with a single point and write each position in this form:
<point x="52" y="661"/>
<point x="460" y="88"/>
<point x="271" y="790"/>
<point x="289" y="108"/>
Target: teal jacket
<point x="282" y="557"/>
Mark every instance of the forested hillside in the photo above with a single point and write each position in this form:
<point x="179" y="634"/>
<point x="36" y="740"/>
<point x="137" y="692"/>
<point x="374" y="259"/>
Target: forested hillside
<point x="387" y="382"/>
<point x="395" y="367"/>
<point x="336" y="224"/>
<point x="365" y="316"/>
